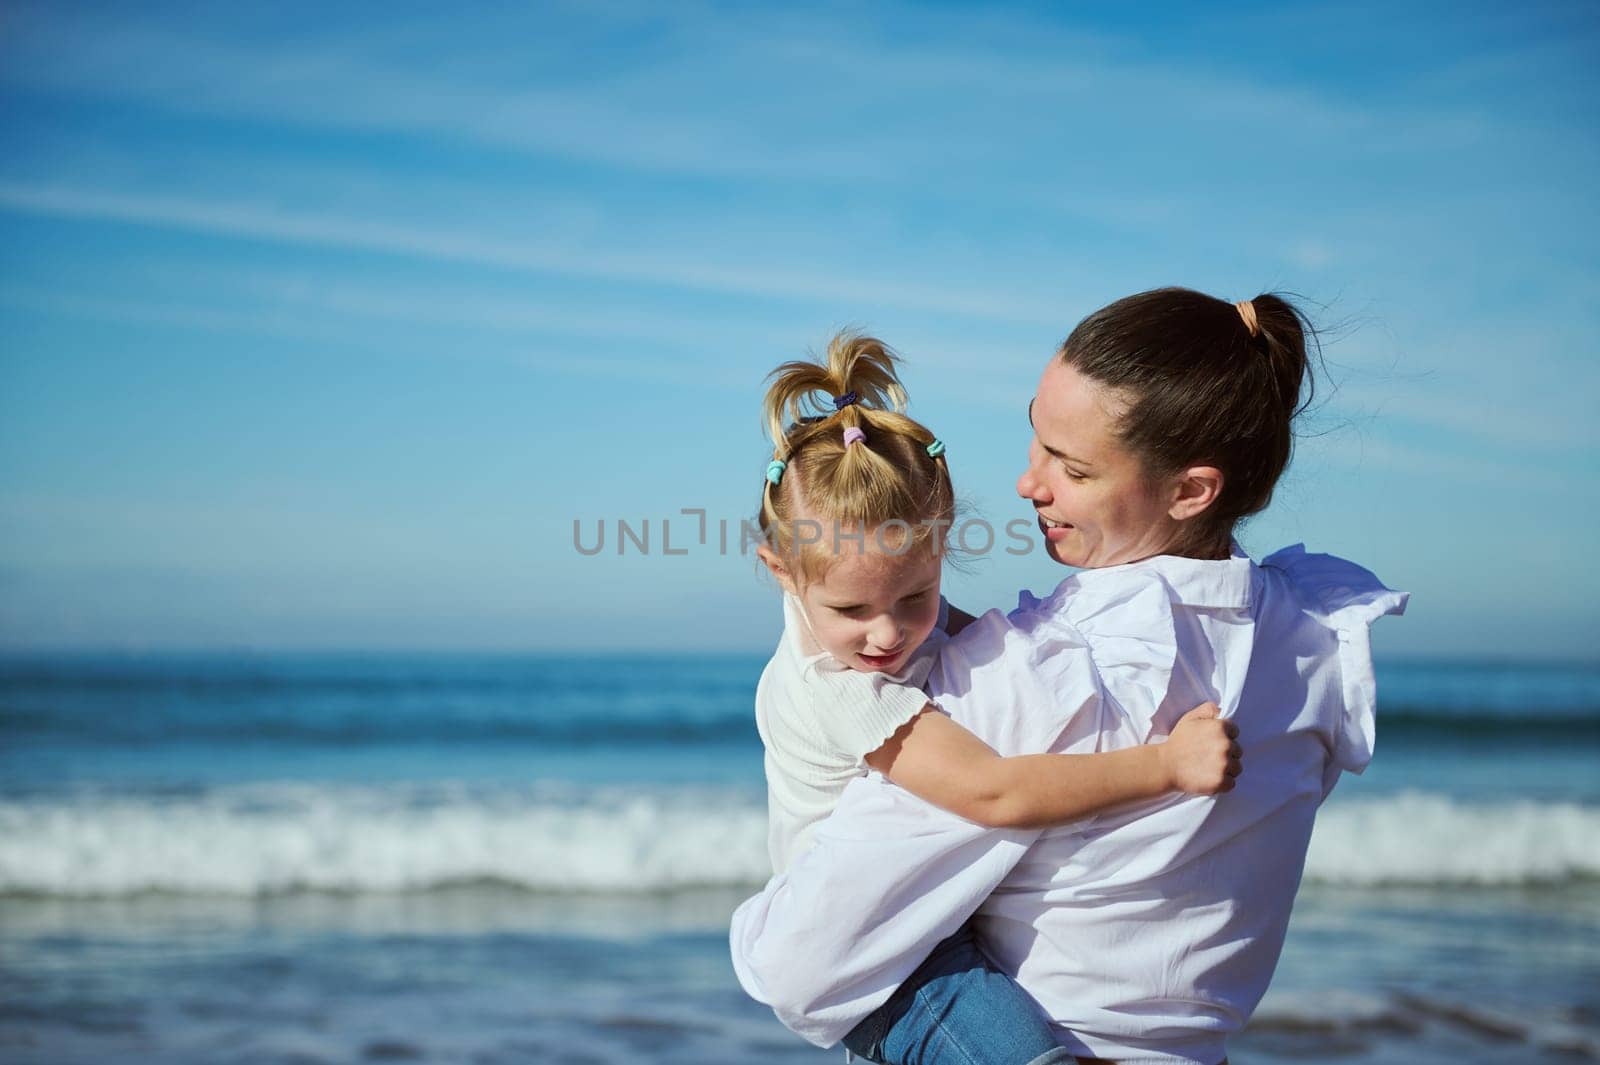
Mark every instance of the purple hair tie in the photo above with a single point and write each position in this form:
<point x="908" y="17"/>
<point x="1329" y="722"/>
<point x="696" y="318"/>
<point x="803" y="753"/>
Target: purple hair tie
<point x="853" y="435"/>
<point x="841" y="402"/>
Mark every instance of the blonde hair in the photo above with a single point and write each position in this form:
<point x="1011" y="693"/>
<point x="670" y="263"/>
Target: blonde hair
<point x="887" y="476"/>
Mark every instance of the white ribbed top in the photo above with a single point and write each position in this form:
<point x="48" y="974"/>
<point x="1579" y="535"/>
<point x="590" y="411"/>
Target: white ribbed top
<point x="819" y="719"/>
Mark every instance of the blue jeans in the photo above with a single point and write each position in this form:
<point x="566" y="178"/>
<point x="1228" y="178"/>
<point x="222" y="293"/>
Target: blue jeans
<point x="957" y="1009"/>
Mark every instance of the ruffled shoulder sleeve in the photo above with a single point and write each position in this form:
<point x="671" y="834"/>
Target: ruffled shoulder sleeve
<point x="1128" y="623"/>
<point x="1347" y="599"/>
<point x="1075" y="672"/>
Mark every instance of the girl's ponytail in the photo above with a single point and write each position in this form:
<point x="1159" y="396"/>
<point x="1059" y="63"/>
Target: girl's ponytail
<point x="845" y="454"/>
<point x="859" y="369"/>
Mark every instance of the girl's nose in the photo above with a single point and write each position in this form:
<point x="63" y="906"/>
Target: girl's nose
<point x="886" y="633"/>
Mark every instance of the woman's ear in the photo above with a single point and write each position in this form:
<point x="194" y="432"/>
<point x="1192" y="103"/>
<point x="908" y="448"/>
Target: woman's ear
<point x="1196" y="489"/>
<point x="775" y="566"/>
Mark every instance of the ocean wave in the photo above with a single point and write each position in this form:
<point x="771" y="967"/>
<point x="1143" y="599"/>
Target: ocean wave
<point x="692" y="727"/>
<point x="671" y="720"/>
<point x="1327" y="1021"/>
<point x="308" y="676"/>
<point x="1417" y="838"/>
<point x="566" y="701"/>
<point x="274" y="839"/>
<point x="1430" y="724"/>
<point x="336" y="701"/>
<point x="284" y="838"/>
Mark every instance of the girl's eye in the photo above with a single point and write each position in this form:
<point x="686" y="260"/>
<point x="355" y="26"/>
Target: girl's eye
<point x="919" y="597"/>
<point x="1074" y="475"/>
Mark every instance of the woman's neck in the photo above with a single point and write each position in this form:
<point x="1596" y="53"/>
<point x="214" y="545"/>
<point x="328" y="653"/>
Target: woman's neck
<point x="1207" y="547"/>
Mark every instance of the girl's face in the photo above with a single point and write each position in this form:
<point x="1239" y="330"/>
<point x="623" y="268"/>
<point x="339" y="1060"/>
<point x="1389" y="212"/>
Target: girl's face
<point x="871" y="609"/>
<point x="1094" y="503"/>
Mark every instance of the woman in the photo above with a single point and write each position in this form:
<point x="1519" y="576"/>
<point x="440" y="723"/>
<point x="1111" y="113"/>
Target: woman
<point x="1148" y="935"/>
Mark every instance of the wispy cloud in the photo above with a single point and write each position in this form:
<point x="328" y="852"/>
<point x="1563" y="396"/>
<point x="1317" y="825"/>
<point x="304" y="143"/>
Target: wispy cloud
<point x="188" y="315"/>
<point x="648" y="203"/>
<point x="266" y="222"/>
<point x="1507" y="423"/>
<point x="792" y="76"/>
<point x="1372" y="455"/>
<point x="348" y="335"/>
<point x="340" y="83"/>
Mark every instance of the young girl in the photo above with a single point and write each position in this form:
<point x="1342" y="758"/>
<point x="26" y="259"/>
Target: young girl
<point x="855" y="509"/>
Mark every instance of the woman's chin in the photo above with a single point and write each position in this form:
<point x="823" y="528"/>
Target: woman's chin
<point x="1065" y="552"/>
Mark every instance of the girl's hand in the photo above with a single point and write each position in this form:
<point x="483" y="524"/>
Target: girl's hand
<point x="1201" y="756"/>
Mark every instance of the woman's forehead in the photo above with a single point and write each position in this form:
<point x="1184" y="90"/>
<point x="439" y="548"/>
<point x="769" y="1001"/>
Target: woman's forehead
<point x="1073" y="414"/>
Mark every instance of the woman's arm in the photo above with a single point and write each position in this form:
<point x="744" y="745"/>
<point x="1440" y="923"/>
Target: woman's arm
<point x="939" y="761"/>
<point x="889" y="878"/>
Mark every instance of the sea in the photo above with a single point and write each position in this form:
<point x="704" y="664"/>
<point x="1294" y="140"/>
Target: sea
<point x="240" y="858"/>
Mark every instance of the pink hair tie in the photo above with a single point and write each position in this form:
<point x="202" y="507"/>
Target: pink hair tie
<point x="853" y="435"/>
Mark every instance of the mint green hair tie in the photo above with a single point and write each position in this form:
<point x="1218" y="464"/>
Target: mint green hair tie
<point x="936" y="449"/>
<point x="775" y="470"/>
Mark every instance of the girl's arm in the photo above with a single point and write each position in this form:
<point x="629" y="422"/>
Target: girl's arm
<point x="937" y="760"/>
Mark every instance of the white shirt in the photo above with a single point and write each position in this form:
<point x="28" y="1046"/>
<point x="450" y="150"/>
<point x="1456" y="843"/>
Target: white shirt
<point x="1148" y="934"/>
<point x="819" y="719"/>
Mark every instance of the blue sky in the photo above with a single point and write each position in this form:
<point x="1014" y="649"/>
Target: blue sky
<point x="320" y="327"/>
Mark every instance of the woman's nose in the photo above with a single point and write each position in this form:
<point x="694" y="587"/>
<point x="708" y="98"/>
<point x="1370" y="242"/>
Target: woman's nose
<point x="1031" y="486"/>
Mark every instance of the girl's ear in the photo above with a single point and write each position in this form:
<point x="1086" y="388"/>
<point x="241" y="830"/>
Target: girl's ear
<point x="779" y="571"/>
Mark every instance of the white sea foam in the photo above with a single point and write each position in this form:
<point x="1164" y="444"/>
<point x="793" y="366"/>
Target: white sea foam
<point x="269" y="839"/>
<point x="1415" y="838"/>
<point x="266" y="839"/>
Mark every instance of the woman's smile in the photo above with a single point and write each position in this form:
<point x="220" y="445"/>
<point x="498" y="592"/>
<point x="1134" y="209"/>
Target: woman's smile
<point x="1054" y="531"/>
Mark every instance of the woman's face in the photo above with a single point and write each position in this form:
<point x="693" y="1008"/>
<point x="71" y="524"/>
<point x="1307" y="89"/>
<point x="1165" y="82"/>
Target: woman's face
<point x="1095" y="505"/>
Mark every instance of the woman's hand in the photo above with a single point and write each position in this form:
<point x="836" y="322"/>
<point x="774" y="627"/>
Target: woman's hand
<point x="1202" y="753"/>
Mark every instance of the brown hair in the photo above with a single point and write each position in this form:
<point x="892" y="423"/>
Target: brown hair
<point x="886" y="476"/>
<point x="1207" y="383"/>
